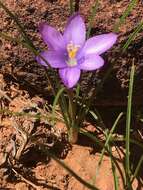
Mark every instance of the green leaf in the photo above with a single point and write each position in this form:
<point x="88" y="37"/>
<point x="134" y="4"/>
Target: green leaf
<point x="59" y="93"/>
<point x="107" y="142"/>
<point x="93" y="115"/>
<point x="133" y="35"/>
<point x="137" y="168"/>
<point x="77" y="91"/>
<point x="128" y="10"/>
<point x="20" y="27"/>
<point x="116" y="181"/>
<point x="128" y="126"/>
<point x="71" y="6"/>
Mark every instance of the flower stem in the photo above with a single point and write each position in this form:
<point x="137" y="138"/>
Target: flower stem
<point x="73" y="130"/>
<point x="71" y="7"/>
<point x="73" y="134"/>
<point x="71" y="105"/>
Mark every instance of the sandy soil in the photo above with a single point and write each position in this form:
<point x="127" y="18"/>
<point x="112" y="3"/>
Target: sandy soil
<point x="24" y="82"/>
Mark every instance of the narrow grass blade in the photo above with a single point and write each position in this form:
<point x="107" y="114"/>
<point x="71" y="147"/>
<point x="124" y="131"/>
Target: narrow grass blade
<point x="106" y="143"/>
<point x="110" y="135"/>
<point x="128" y="125"/>
<point x="71" y="6"/>
<point x="100" y="143"/>
<point x="56" y="99"/>
<point x="6" y="37"/>
<point x="91" y="18"/>
<point x="25" y="44"/>
<point x="128" y="10"/>
<point x="120" y="139"/>
<point x="19" y="41"/>
<point x="116" y="181"/>
<point x="20" y="27"/>
<point x="137" y="169"/>
<point x="77" y="91"/>
<point x="133" y="35"/>
<point x="141" y="181"/>
<point x="94" y="115"/>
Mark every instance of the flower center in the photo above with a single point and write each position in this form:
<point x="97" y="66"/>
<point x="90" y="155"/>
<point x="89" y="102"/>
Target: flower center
<point x="72" y="51"/>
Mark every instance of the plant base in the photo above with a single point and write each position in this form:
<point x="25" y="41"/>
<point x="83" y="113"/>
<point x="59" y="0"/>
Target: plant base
<point x="73" y="135"/>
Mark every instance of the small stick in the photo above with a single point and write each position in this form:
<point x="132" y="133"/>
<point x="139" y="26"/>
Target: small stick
<point x="23" y="178"/>
<point x="5" y="95"/>
<point x="24" y="139"/>
<point x="26" y="180"/>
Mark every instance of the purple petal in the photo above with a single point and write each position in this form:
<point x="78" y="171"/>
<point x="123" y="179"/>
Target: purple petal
<point x="91" y="62"/>
<point x="99" y="44"/>
<point x="70" y="76"/>
<point x="55" y="59"/>
<point x="51" y="37"/>
<point x="75" y="30"/>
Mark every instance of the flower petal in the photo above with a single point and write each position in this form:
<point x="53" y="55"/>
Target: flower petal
<point x="55" y="59"/>
<point x="99" y="44"/>
<point x="75" y="30"/>
<point x="70" y="76"/>
<point x="91" y="62"/>
<point x="51" y="37"/>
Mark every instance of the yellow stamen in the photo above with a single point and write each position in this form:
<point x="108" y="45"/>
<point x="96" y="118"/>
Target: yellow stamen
<point x="72" y="53"/>
<point x="72" y="50"/>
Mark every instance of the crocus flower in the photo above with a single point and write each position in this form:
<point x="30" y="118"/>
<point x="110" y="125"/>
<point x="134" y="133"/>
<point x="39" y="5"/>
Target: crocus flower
<point x="70" y="52"/>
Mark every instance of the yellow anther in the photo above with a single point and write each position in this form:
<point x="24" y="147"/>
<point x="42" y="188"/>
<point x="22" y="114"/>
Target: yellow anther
<point x="72" y="50"/>
<point x="72" y="53"/>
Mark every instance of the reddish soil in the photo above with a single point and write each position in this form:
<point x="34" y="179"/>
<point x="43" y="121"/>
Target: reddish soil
<point x="23" y="88"/>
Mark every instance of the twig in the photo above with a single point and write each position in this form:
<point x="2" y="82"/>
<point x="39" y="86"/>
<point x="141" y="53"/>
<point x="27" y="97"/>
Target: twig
<point x="24" y="179"/>
<point x="24" y="139"/>
<point x="37" y="187"/>
<point x="2" y="93"/>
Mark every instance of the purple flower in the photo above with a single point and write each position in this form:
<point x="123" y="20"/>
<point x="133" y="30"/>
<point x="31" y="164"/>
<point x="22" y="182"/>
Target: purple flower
<point x="70" y="52"/>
